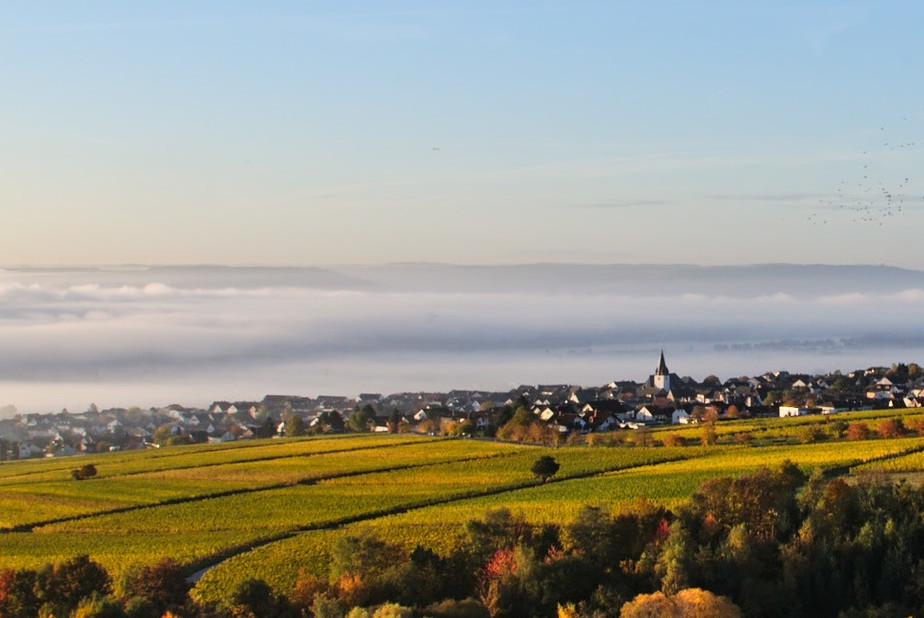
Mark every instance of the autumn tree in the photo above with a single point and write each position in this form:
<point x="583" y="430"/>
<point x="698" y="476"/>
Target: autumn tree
<point x="708" y="436"/>
<point x="858" y="430"/>
<point x="161" y="585"/>
<point x="890" y="428"/>
<point x="684" y="604"/>
<point x="62" y="586"/>
<point x="545" y="468"/>
<point x="674" y="440"/>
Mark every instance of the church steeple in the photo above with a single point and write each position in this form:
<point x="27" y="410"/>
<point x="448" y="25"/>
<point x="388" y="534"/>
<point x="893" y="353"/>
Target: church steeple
<point x="662" y="369"/>
<point x="662" y="376"/>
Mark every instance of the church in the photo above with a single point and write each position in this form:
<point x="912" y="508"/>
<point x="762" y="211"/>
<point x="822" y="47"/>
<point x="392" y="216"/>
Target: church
<point x="663" y="383"/>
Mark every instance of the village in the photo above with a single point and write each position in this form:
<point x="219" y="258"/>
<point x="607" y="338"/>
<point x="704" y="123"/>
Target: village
<point x="665" y="398"/>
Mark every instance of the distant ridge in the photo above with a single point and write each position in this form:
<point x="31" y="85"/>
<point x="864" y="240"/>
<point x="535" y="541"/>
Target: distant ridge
<point x="798" y="280"/>
<point x="645" y="280"/>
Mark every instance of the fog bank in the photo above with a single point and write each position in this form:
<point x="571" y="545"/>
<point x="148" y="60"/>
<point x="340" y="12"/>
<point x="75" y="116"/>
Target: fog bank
<point x="160" y="335"/>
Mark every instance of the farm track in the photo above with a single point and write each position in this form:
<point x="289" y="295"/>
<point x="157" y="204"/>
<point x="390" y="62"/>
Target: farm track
<point x="30" y="527"/>
<point x="207" y="564"/>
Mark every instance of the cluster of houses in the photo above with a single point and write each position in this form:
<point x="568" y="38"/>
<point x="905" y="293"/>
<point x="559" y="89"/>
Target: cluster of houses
<point x="663" y="399"/>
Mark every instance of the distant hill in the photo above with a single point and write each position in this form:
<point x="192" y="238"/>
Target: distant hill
<point x="797" y="280"/>
<point x="642" y="279"/>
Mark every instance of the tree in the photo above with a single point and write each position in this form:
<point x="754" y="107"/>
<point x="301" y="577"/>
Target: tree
<point x="256" y="596"/>
<point x="674" y="440"/>
<point x="858" y="430"/>
<point x="64" y="585"/>
<point x="394" y="421"/>
<point x="84" y="472"/>
<point x="295" y="426"/>
<point x="890" y="428"/>
<point x="163" y="585"/>
<point x="697" y="413"/>
<point x="17" y="594"/>
<point x="331" y="422"/>
<point x="545" y="468"/>
<point x="708" y="437"/>
<point x="360" y="420"/>
<point x="267" y="429"/>
<point x="98" y="606"/>
<point x="686" y="603"/>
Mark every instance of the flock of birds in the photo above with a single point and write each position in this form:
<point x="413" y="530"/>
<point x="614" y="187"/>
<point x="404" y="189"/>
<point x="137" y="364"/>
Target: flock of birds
<point x="870" y="199"/>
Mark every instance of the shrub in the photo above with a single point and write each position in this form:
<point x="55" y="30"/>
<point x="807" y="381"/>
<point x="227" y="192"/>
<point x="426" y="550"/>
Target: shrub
<point x="890" y="428"/>
<point x="466" y="608"/>
<point x="85" y="472"/>
<point x="858" y="431"/>
<point x="744" y="437"/>
<point x="673" y="439"/>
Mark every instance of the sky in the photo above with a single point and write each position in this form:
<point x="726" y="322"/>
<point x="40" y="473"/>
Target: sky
<point x="473" y="132"/>
<point x="352" y="134"/>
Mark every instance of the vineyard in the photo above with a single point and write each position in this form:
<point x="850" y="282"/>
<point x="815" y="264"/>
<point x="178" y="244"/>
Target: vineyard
<point x="272" y="508"/>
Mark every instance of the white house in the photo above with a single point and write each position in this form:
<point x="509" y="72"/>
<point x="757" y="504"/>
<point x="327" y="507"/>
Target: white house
<point x="792" y="411"/>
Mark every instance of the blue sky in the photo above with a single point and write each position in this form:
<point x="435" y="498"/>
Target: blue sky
<point x="468" y="132"/>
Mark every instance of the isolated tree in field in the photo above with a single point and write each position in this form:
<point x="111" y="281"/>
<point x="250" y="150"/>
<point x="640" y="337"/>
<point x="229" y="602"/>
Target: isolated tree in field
<point x="84" y="472"/>
<point x="545" y="468"/>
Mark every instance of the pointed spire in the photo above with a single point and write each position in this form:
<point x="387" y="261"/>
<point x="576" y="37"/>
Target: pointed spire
<point x="662" y="366"/>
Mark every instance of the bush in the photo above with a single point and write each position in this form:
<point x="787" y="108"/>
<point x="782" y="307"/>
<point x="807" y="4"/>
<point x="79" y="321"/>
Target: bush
<point x="890" y="428"/>
<point x="466" y="608"/>
<point x="744" y="437"/>
<point x="674" y="439"/>
<point x="811" y="433"/>
<point x="86" y="472"/>
<point x="858" y="431"/>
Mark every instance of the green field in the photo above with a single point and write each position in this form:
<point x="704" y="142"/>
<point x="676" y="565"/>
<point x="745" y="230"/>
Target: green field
<point x="273" y="507"/>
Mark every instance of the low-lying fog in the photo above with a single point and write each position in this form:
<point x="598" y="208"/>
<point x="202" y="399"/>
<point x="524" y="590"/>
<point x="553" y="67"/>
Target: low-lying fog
<point x="189" y="335"/>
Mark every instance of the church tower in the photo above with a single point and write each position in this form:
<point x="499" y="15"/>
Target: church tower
<point x="662" y="376"/>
